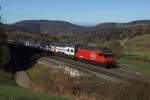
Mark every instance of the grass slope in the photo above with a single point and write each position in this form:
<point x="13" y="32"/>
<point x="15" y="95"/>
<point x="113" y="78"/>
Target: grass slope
<point x="139" y="42"/>
<point x="138" y="66"/>
<point x="138" y="47"/>
<point x="10" y="91"/>
<point x="6" y="79"/>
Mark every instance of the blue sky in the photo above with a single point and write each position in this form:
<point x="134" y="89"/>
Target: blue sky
<point x="75" y="11"/>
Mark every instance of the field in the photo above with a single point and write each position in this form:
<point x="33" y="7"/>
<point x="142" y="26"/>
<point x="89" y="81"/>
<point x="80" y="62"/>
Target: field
<point x="6" y="79"/>
<point x="10" y="91"/>
<point x="137" y="66"/>
<point x="135" y="55"/>
<point x="138" y="46"/>
<point x="139" y="42"/>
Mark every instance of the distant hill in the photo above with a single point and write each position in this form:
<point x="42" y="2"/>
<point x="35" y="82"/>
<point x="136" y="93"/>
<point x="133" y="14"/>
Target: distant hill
<point x="45" y="26"/>
<point x="139" y="22"/>
<point x="122" y="30"/>
<point x="107" y="25"/>
<point x="108" y="31"/>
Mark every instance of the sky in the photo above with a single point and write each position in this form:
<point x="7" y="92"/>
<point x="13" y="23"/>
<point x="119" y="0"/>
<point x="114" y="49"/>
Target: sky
<point x="75" y="11"/>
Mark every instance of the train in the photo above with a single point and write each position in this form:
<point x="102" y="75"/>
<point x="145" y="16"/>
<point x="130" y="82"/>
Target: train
<point x="97" y="56"/>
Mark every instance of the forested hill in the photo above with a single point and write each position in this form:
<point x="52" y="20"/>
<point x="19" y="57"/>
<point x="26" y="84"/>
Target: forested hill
<point x="103" y="30"/>
<point x="45" y="26"/>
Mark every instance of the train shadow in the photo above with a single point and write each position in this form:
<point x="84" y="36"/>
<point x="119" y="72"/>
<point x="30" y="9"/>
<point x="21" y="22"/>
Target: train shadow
<point x="22" y="58"/>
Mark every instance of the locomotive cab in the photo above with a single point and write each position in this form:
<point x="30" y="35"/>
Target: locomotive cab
<point x="109" y="58"/>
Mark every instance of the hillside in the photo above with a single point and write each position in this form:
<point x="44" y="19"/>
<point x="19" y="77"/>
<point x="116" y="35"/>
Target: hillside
<point x="141" y="41"/>
<point x="45" y="26"/>
<point x="74" y="33"/>
<point x="139" y="22"/>
<point x="9" y="90"/>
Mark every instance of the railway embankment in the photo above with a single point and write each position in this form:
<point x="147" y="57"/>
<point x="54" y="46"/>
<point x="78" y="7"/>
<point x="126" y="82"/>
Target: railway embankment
<point x="56" y="81"/>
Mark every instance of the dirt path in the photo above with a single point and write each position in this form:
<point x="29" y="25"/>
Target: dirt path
<point x="123" y="43"/>
<point x="23" y="80"/>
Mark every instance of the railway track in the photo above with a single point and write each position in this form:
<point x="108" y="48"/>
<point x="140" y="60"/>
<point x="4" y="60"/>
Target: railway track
<point x="115" y="75"/>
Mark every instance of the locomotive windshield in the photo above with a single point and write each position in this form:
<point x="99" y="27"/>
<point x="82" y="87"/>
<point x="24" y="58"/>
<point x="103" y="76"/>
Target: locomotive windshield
<point x="106" y="52"/>
<point x="108" y="55"/>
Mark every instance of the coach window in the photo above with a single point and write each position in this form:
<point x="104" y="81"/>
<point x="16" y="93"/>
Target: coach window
<point x="71" y="50"/>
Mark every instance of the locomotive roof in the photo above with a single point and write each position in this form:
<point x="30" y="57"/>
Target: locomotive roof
<point x="95" y="48"/>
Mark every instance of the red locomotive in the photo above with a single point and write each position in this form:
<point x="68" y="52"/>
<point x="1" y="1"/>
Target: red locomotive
<point x="103" y="56"/>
